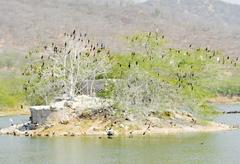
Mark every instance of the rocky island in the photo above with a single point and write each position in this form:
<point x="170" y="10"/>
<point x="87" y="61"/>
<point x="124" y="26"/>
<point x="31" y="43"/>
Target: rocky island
<point x="152" y="89"/>
<point x="87" y="115"/>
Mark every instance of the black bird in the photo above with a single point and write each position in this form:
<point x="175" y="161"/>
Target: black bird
<point x="130" y="135"/>
<point x="102" y="46"/>
<point x="69" y="51"/>
<point x="55" y="49"/>
<point x="74" y="32"/>
<point x="129" y="65"/>
<point x="42" y="57"/>
<point x="190" y="45"/>
<point x="45" y="47"/>
<point x="136" y="62"/>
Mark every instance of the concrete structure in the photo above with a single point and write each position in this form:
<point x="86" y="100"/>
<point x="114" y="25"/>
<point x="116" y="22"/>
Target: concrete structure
<point x="39" y="114"/>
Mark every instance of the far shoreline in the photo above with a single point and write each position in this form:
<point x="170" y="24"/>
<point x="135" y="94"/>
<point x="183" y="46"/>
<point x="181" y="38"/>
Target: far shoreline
<point x="225" y="100"/>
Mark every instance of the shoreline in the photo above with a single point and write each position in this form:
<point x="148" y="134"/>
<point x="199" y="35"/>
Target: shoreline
<point x="97" y="124"/>
<point x="13" y="112"/>
<point x="225" y="100"/>
<point x="71" y="130"/>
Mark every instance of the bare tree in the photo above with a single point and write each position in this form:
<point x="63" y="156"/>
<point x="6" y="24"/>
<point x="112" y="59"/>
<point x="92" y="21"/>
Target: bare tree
<point x="65" y="68"/>
<point x="141" y="93"/>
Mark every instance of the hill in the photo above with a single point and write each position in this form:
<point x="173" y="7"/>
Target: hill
<point x="212" y="23"/>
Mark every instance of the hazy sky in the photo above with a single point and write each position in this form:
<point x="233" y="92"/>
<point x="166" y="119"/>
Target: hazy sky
<point x="233" y="1"/>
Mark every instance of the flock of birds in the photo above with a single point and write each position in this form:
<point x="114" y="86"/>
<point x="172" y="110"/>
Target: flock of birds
<point x="73" y="41"/>
<point x="183" y="78"/>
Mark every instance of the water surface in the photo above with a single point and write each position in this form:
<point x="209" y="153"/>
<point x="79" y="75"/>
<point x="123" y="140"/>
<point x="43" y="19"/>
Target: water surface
<point x="218" y="147"/>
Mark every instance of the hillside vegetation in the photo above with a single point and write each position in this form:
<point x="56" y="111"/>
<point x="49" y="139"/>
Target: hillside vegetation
<point x="11" y="81"/>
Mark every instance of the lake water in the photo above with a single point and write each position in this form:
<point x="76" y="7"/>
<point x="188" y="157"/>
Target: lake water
<point x="218" y="147"/>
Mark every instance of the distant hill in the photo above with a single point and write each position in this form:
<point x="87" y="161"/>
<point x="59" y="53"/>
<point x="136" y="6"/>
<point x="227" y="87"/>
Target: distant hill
<point x="212" y="23"/>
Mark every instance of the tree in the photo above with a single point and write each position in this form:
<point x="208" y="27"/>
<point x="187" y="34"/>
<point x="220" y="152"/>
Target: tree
<point x="65" y="68"/>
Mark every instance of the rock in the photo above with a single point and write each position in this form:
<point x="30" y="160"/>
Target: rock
<point x="84" y="102"/>
<point x="26" y="134"/>
<point x="33" y="126"/>
<point x="58" y="105"/>
<point x="121" y="126"/>
<point x="110" y="132"/>
<point x="64" y="122"/>
<point x="129" y="118"/>
<point x="47" y="127"/>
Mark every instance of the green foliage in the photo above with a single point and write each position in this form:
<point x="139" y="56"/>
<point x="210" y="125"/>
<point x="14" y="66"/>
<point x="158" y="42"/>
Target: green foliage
<point x="108" y="91"/>
<point x="195" y="74"/>
<point x="11" y="93"/>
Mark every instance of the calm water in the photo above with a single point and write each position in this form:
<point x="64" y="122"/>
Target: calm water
<point x="220" y="147"/>
<point x="5" y="121"/>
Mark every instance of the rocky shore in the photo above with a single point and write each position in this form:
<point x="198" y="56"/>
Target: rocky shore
<point x="85" y="115"/>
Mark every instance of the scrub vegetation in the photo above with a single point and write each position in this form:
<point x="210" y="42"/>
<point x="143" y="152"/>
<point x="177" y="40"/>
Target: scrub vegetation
<point x="149" y="78"/>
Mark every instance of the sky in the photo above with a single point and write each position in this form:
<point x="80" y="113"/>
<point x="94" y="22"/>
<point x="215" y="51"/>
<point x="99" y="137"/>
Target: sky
<point x="232" y="1"/>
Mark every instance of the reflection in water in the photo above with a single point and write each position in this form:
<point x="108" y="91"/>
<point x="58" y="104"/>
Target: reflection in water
<point x="183" y="148"/>
<point x="220" y="147"/>
<point x="230" y="119"/>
